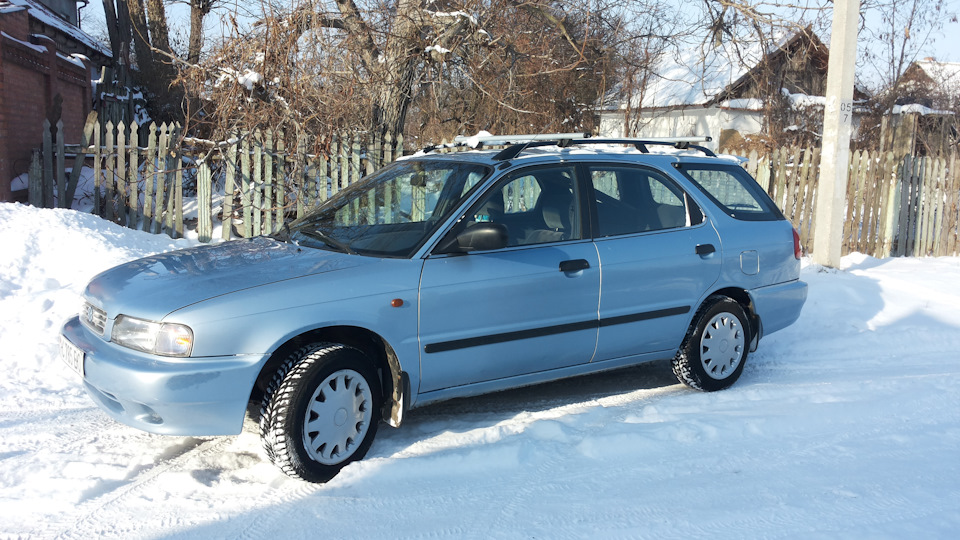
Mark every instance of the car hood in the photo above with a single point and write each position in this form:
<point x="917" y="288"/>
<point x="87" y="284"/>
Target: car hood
<point x="155" y="286"/>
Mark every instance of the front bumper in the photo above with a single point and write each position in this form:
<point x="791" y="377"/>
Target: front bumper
<point x="170" y="396"/>
<point x="778" y="306"/>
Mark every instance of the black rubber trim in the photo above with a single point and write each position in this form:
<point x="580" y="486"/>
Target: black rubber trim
<point x="456" y="344"/>
<point x="637" y="317"/>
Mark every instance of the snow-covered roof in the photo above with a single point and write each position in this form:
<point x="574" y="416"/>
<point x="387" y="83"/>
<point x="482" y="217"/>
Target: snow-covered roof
<point x="695" y="76"/>
<point x="43" y="14"/>
<point x="945" y="75"/>
<point x="700" y="74"/>
<point x="7" y="7"/>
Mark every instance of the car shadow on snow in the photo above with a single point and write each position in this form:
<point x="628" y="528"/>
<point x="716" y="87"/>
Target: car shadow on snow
<point x="545" y="396"/>
<point x="481" y="412"/>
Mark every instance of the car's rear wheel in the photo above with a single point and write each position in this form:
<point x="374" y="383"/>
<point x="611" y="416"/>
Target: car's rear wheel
<point x="320" y="411"/>
<point x="715" y="348"/>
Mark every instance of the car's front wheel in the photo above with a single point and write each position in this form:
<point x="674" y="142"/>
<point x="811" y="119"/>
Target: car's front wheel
<point x="716" y="345"/>
<point x="320" y="411"/>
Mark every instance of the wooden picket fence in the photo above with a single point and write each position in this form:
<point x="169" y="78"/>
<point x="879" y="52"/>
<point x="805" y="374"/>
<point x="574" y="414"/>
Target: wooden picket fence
<point x="894" y="207"/>
<point x="142" y="173"/>
<point x="907" y="206"/>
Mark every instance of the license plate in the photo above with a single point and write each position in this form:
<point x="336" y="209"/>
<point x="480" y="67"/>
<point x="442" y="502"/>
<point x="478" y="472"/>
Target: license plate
<point x="72" y="355"/>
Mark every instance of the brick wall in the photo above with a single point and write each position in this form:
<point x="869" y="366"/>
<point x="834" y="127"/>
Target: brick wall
<point x="29" y="81"/>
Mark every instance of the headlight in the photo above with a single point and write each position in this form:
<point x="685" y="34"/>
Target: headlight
<point x="165" y="339"/>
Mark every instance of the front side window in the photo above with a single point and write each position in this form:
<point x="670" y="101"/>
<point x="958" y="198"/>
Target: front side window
<point x="633" y="200"/>
<point x="536" y="206"/>
<point x="733" y="190"/>
<point x="392" y="212"/>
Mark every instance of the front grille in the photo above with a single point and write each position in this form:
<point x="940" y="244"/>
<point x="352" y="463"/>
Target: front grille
<point x="93" y="317"/>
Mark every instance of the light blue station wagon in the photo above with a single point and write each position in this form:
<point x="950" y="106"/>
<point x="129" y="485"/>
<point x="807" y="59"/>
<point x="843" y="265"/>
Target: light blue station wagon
<point x="445" y="275"/>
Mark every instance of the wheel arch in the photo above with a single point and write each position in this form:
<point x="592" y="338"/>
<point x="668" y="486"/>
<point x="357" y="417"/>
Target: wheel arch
<point x="743" y="298"/>
<point x="394" y="382"/>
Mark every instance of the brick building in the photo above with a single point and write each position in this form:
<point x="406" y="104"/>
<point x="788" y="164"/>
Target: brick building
<point x="46" y="63"/>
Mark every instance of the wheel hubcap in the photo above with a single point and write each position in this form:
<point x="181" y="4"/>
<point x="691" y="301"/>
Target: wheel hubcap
<point x="338" y="417"/>
<point x="722" y="345"/>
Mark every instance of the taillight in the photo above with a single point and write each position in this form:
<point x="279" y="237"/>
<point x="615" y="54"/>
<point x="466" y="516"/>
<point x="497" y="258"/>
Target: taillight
<point x="797" y="250"/>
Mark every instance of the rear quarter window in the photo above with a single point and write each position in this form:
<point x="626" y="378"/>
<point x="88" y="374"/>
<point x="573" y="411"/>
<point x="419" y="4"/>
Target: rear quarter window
<point x="733" y="190"/>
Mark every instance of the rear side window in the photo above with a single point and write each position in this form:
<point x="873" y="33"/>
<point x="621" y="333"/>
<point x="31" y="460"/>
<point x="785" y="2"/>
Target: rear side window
<point x="733" y="190"/>
<point x="632" y="200"/>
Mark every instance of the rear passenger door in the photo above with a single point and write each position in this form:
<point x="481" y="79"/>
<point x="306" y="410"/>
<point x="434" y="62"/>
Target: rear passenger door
<point x="658" y="256"/>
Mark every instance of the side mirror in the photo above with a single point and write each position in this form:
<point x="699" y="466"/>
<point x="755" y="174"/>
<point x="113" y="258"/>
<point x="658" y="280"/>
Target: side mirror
<point x="477" y="237"/>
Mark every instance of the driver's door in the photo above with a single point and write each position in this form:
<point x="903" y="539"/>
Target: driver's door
<point x="527" y="308"/>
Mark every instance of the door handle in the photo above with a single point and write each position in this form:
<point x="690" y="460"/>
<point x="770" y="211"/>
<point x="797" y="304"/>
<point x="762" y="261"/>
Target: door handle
<point x="575" y="265"/>
<point x="705" y="249"/>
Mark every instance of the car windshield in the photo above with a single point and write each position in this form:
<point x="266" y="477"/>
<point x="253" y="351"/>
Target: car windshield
<point x="392" y="212"/>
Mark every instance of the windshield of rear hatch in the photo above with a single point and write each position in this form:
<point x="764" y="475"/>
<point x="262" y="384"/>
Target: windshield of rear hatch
<point x="392" y="212"/>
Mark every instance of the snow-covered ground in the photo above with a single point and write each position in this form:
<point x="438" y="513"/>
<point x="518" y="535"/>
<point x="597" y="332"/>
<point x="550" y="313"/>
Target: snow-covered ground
<point x="845" y="425"/>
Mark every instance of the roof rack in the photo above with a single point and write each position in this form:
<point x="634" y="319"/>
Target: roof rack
<point x="520" y="139"/>
<point x="519" y="143"/>
<point x="479" y="141"/>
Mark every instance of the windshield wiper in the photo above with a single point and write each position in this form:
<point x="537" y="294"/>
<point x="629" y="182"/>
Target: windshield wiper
<point x="283" y="234"/>
<point x="329" y="240"/>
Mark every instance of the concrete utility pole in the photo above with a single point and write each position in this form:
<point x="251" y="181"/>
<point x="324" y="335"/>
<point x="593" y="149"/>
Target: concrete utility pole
<point x="837" y="121"/>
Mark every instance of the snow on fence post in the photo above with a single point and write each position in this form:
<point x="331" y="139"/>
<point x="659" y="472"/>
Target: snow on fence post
<point x="204" y="200"/>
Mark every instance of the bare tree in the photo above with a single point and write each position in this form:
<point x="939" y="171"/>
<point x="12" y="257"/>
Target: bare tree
<point x="455" y="66"/>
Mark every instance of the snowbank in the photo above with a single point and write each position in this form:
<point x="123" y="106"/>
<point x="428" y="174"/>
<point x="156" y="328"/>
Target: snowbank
<point x="843" y="425"/>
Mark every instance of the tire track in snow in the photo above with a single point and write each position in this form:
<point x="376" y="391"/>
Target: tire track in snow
<point x="91" y="522"/>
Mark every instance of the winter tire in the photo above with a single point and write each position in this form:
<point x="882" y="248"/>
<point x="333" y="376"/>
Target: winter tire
<point x="715" y="348"/>
<point x="320" y="411"/>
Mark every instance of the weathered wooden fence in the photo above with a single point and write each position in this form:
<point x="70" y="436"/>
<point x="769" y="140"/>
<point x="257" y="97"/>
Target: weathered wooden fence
<point x="254" y="182"/>
<point x="894" y="207"/>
